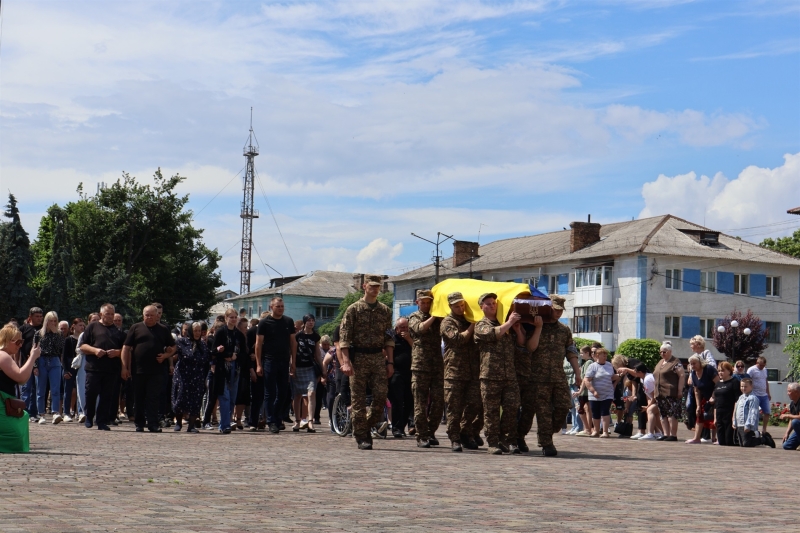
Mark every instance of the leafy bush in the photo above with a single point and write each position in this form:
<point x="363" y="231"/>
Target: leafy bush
<point x="793" y="349"/>
<point x="645" y="350"/>
<point x="581" y="342"/>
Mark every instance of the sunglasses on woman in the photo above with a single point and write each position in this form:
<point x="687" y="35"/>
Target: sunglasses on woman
<point x="18" y="342"/>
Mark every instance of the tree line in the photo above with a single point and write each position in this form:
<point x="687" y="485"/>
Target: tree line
<point x="129" y="244"/>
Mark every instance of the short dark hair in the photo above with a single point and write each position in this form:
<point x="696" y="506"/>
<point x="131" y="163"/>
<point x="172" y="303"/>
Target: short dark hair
<point x="641" y="367"/>
<point x="36" y="311"/>
<point x="596" y="345"/>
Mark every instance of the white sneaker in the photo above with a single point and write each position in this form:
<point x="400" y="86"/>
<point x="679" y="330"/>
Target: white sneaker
<point x="572" y="431"/>
<point x="82" y="418"/>
<point x="67" y="418"/>
<point x="658" y="435"/>
<point x="563" y="431"/>
<point x="42" y="420"/>
<point x="637" y="436"/>
<point x="57" y="419"/>
<point x="706" y="441"/>
<point x="649" y="436"/>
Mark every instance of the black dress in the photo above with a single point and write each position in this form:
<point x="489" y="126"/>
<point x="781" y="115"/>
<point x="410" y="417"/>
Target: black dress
<point x="188" y="381"/>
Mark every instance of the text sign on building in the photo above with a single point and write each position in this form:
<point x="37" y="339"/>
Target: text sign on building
<point x="792" y="329"/>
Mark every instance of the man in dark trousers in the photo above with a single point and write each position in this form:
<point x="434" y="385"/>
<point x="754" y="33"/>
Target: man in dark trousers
<point x="400" y="394"/>
<point x="28" y="329"/>
<point x="102" y="344"/>
<point x="150" y="345"/>
<point x="276" y="349"/>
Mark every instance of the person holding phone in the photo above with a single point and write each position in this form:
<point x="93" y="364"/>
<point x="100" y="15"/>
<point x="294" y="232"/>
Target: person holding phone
<point x="14" y="431"/>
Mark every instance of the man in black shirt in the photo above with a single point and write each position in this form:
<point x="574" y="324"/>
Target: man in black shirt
<point x="257" y="386"/>
<point x="276" y="348"/>
<point x="102" y="344"/>
<point x="150" y="345"/>
<point x="400" y="394"/>
<point x="28" y="330"/>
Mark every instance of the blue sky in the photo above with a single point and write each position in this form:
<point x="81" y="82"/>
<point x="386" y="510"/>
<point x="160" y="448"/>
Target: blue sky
<point x="376" y="119"/>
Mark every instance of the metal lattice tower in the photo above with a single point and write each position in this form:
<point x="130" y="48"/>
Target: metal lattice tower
<point x="248" y="213"/>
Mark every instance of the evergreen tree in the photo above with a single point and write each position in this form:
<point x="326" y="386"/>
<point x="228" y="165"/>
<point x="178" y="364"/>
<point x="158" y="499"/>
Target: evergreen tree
<point x="109" y="284"/>
<point x="16" y="266"/>
<point x="58" y="292"/>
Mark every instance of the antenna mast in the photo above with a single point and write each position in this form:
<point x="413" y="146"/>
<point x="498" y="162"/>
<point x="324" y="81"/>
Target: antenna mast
<point x="248" y="213"/>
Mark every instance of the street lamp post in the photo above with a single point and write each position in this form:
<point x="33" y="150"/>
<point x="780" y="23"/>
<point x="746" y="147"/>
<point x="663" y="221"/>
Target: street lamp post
<point x="734" y="326"/>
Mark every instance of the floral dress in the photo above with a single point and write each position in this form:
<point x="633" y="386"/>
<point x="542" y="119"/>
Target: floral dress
<point x="188" y="382"/>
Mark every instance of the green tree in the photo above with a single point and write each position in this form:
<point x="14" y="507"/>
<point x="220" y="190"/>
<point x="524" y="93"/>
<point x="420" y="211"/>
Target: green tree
<point x="735" y="344"/>
<point x="58" y="283"/>
<point x="793" y="349"/>
<point x="580" y="342"/>
<point x="386" y="298"/>
<point x="784" y="245"/>
<point x="16" y="266"/>
<point x="645" y="350"/>
<point x="133" y="244"/>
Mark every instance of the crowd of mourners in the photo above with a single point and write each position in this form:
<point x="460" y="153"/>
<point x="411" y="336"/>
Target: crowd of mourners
<point x="274" y="373"/>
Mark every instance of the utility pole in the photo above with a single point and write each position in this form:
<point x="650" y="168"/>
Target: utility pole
<point x="436" y="258"/>
<point x="248" y="213"/>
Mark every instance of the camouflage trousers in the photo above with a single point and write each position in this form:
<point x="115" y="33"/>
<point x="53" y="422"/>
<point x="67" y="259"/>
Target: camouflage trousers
<point x="527" y="401"/>
<point x="427" y="386"/>
<point x="369" y="371"/>
<point x="464" y="408"/>
<point x="496" y="395"/>
<point x="553" y="402"/>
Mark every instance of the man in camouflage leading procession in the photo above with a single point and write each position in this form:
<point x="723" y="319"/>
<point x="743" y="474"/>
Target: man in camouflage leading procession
<point x="553" y="400"/>
<point x="499" y="388"/>
<point x="364" y="336"/>
<point x="427" y="370"/>
<point x="462" y="388"/>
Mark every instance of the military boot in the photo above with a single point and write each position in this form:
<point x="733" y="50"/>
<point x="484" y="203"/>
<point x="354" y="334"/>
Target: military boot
<point x="495" y="451"/>
<point x="470" y="444"/>
<point x="422" y="443"/>
<point x="523" y="447"/>
<point x="549" y="451"/>
<point x="502" y="447"/>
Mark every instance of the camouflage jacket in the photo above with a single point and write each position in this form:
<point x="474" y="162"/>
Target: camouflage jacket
<point x="366" y="326"/>
<point x="462" y="360"/>
<point x="426" y="354"/>
<point x="497" y="353"/>
<point x="548" y="358"/>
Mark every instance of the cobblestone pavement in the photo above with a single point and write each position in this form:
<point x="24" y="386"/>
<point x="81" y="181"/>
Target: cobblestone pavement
<point x="77" y="479"/>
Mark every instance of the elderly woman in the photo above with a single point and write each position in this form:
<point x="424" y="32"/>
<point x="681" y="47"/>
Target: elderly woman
<point x="698" y="346"/>
<point x="48" y="369"/>
<point x="703" y="379"/>
<point x="14" y="432"/>
<point x="188" y="382"/>
<point x="669" y="381"/>
<point x="726" y="393"/>
<point x="600" y="380"/>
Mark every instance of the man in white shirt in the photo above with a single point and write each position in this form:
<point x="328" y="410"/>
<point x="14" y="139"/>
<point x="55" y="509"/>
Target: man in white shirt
<point x="758" y="373"/>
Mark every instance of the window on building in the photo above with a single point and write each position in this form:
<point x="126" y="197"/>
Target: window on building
<point x="674" y="279"/>
<point x="773" y="286"/>
<point x="228" y="295"/>
<point x="325" y="312"/>
<point x="773" y="332"/>
<point x="741" y="283"/>
<point x="595" y="319"/>
<point x="593" y="276"/>
<point x="708" y="327"/>
<point x="672" y="326"/>
<point x="708" y="282"/>
<point x="553" y="289"/>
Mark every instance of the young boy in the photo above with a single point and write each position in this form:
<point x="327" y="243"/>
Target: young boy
<point x="745" y="418"/>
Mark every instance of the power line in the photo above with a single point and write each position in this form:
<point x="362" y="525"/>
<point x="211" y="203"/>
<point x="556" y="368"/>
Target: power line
<point x="220" y="192"/>
<point x="261" y="186"/>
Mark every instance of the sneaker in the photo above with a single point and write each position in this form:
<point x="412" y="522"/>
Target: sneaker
<point x="303" y="424"/>
<point x="456" y="447"/>
<point x="207" y="426"/>
<point x="34" y="419"/>
<point x="177" y="427"/>
<point x="42" y="420"/>
<point x="649" y="436"/>
<point x="57" y="419"/>
<point x="82" y="418"/>
<point x="513" y="449"/>
<point x="67" y="418"/>
<point x="364" y="445"/>
<point x="564" y="431"/>
<point x="495" y="451"/>
<point x="274" y="428"/>
<point x="658" y="434"/>
<point x="706" y="441"/>
<point x="252" y="429"/>
<point x="433" y="441"/>
<point x="637" y="436"/>
<point x="572" y="431"/>
<point x="421" y="443"/>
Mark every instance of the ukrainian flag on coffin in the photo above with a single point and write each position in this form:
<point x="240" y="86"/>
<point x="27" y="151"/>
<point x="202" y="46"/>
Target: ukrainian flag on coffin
<point x="472" y="289"/>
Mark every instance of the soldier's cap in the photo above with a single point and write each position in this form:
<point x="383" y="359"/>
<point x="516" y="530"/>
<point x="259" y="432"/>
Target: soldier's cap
<point x="557" y="302"/>
<point x="421" y="295"/>
<point x="454" y="298"/>
<point x="486" y="295"/>
<point x="373" y="279"/>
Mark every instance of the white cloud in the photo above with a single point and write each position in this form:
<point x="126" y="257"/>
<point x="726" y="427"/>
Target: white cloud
<point x="379" y="251"/>
<point x="757" y="197"/>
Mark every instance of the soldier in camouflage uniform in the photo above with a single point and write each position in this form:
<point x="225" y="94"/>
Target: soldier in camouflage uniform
<point x="553" y="400"/>
<point x="499" y="388"/>
<point x="462" y="388"/>
<point x="427" y="370"/>
<point x="364" y="337"/>
<point x="527" y="389"/>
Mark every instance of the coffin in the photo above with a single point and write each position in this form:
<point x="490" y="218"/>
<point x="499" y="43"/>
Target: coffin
<point x="529" y="303"/>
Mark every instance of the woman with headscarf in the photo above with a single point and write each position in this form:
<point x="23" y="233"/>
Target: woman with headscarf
<point x="188" y="380"/>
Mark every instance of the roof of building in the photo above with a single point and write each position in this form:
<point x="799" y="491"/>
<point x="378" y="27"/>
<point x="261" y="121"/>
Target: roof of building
<point x="318" y="283"/>
<point x="662" y="235"/>
<point x="794" y="211"/>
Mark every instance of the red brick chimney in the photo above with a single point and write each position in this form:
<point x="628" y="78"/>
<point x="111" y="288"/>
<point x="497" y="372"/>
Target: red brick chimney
<point x="583" y="234"/>
<point x="463" y="251"/>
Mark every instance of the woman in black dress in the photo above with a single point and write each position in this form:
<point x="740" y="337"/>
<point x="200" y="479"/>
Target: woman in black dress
<point x="188" y="383"/>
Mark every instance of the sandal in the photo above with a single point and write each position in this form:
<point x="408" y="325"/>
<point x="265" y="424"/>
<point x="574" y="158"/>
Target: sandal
<point x="296" y="428"/>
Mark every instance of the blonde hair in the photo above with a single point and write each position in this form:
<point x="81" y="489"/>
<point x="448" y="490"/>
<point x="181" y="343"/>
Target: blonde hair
<point x="231" y="312"/>
<point x="698" y="340"/>
<point x="7" y="334"/>
<point x="51" y="315"/>
<point x="325" y="339"/>
<point x="618" y="361"/>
